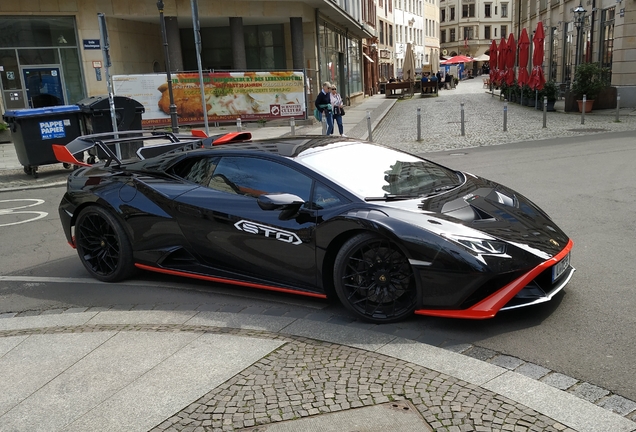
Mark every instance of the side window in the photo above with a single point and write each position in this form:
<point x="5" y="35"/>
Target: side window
<point x="325" y="198"/>
<point x="197" y="170"/>
<point x="253" y="176"/>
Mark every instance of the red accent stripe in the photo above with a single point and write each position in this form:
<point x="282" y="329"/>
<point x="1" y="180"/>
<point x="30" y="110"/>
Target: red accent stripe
<point x="199" y="133"/>
<point x="488" y="307"/>
<point x="228" y="281"/>
<point x="233" y="137"/>
<point x="63" y="155"/>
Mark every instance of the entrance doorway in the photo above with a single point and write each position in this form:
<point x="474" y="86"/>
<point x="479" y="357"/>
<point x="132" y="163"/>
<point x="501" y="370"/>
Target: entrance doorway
<point x="44" y="85"/>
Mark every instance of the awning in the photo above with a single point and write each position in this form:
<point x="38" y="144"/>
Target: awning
<point x="368" y="58"/>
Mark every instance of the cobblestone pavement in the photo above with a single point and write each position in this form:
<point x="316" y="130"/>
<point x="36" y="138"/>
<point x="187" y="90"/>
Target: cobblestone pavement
<point x="306" y="377"/>
<point x="330" y="372"/>
<point x="483" y="114"/>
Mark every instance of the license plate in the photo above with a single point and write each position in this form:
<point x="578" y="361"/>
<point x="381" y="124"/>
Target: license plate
<point x="559" y="268"/>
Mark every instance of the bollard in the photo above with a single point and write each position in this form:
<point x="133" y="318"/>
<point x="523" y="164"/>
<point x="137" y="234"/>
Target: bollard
<point x="583" y="110"/>
<point x="545" y="112"/>
<point x="618" y="103"/>
<point x="239" y="125"/>
<point x="370" y="137"/>
<point x="463" y="128"/>
<point x="324" y="123"/>
<point x="419" y="124"/>
<point x="292" y="123"/>
<point x="505" y="123"/>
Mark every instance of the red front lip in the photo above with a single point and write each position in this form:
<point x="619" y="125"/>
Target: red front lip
<point x="488" y="307"/>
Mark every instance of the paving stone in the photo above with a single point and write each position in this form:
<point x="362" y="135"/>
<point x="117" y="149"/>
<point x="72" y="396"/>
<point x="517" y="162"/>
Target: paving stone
<point x="231" y="308"/>
<point x="532" y="370"/>
<point x="455" y="346"/>
<point x="589" y="392"/>
<point x="507" y="362"/>
<point x="480" y="353"/>
<point x="619" y="405"/>
<point x="560" y="381"/>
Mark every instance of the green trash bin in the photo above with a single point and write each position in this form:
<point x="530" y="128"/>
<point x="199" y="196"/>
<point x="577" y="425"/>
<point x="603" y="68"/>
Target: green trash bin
<point x="34" y="131"/>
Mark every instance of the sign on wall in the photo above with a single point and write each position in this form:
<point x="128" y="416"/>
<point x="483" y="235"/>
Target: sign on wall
<point x="228" y="96"/>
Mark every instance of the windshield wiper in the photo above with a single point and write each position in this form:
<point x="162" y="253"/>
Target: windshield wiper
<point x="392" y="197"/>
<point x="438" y="190"/>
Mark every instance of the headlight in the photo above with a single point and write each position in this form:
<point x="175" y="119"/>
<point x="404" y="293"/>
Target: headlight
<point x="479" y="246"/>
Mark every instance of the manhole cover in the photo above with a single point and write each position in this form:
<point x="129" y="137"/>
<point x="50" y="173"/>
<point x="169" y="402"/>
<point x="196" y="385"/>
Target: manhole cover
<point x="396" y="416"/>
<point x="588" y="130"/>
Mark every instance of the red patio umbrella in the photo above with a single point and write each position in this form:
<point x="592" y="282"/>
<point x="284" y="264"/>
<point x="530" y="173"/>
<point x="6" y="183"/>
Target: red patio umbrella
<point x="524" y="51"/>
<point x="511" y="54"/>
<point x="457" y="59"/>
<point x="537" y="80"/>
<point x="493" y="61"/>
<point x="502" y="60"/>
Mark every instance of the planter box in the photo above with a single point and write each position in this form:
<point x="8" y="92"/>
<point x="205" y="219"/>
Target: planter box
<point x="5" y="136"/>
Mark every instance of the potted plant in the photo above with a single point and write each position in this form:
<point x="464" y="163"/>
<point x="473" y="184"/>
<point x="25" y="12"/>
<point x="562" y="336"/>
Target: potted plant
<point x="5" y="134"/>
<point x="515" y="92"/>
<point x="551" y="91"/>
<point x="528" y="95"/>
<point x="588" y="82"/>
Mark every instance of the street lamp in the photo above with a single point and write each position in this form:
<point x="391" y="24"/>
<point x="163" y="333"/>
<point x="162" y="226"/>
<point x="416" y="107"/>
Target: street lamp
<point x="579" y="19"/>
<point x="173" y="108"/>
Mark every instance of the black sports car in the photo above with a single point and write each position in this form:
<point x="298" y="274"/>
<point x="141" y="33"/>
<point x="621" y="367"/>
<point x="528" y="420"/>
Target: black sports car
<point x="389" y="233"/>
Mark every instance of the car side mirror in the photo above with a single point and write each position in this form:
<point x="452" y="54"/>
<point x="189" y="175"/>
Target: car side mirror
<point x="282" y="201"/>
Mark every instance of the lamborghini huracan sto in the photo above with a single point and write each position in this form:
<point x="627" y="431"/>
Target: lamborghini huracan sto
<point x="388" y="233"/>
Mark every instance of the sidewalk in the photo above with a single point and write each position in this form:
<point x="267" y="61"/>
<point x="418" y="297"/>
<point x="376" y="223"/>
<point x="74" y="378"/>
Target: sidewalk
<point x="194" y="370"/>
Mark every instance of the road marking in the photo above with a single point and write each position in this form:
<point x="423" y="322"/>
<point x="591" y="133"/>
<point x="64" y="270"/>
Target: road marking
<point x="12" y="210"/>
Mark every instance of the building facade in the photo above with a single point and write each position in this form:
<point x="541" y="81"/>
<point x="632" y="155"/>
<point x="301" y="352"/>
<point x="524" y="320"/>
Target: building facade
<point x="467" y="27"/>
<point x="52" y="47"/>
<point x="417" y="22"/>
<point x="605" y="32"/>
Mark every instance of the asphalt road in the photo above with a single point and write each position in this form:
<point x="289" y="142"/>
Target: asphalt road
<point x="585" y="184"/>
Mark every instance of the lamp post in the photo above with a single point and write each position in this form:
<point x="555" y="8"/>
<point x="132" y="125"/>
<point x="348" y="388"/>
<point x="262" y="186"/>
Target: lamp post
<point x="173" y="108"/>
<point x="579" y="19"/>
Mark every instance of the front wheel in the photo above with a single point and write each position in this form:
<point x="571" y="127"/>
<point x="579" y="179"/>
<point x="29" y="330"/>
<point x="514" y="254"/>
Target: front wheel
<point x="374" y="279"/>
<point x="103" y="245"/>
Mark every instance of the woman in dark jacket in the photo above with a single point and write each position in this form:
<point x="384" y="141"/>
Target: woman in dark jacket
<point x="323" y="103"/>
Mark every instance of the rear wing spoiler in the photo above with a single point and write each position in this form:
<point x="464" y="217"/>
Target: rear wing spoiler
<point x="154" y="144"/>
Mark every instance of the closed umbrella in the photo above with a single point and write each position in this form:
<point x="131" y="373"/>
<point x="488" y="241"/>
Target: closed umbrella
<point x="493" y="61"/>
<point x="524" y="51"/>
<point x="537" y="79"/>
<point x="408" y="69"/>
<point x="501" y="61"/>
<point x="511" y="51"/>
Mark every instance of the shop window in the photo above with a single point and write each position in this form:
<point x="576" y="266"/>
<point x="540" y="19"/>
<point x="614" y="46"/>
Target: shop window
<point x="47" y="31"/>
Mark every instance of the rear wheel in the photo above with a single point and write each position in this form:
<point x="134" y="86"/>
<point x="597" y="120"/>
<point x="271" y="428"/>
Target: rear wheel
<point x="103" y="245"/>
<point x="374" y="279"/>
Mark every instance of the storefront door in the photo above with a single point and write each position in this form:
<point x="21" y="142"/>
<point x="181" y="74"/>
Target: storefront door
<point x="43" y="85"/>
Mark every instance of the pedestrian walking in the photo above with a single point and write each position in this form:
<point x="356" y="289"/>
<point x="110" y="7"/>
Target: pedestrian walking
<point x="323" y="104"/>
<point x="338" y="109"/>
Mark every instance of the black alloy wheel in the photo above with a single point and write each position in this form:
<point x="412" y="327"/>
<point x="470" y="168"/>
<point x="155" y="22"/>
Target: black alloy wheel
<point x="103" y="246"/>
<point x="374" y="279"/>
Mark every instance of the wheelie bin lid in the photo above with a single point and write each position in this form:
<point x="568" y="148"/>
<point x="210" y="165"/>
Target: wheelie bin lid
<point x="102" y="103"/>
<point x="39" y="112"/>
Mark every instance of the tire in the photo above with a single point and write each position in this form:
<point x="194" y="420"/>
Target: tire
<point x="374" y="280"/>
<point x="103" y="245"/>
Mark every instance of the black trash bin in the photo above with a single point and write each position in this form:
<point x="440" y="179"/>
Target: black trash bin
<point x="34" y="131"/>
<point x="95" y="113"/>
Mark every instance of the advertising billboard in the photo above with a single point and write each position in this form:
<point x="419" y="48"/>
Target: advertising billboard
<point x="228" y="96"/>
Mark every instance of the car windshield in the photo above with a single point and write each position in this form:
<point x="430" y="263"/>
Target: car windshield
<point x="375" y="172"/>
